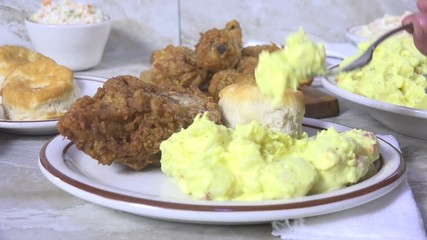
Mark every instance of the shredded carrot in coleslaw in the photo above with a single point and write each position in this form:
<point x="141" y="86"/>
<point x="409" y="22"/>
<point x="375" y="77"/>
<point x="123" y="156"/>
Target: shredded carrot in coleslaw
<point x="67" y="12"/>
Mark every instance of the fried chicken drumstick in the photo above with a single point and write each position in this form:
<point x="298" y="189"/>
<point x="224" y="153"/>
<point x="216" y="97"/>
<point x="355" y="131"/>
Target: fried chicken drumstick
<point x="127" y="119"/>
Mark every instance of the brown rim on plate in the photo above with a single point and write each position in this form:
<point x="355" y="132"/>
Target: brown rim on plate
<point x="221" y="208"/>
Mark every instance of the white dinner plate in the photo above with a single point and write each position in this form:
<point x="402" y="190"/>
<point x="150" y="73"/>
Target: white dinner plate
<point x="151" y="193"/>
<point x="88" y="86"/>
<point x="351" y="34"/>
<point x="406" y="120"/>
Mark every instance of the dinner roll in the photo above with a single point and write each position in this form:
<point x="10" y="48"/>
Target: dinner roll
<point x="38" y="90"/>
<point x="242" y="103"/>
<point x="13" y="56"/>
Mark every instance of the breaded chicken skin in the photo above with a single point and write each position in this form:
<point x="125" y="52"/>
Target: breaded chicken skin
<point x="254" y="51"/>
<point x="127" y="119"/>
<point x="220" y="49"/>
<point x="227" y="77"/>
<point x="176" y="65"/>
<point x="249" y="59"/>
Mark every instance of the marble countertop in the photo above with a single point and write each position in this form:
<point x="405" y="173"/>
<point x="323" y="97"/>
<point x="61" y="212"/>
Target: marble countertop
<point x="31" y="207"/>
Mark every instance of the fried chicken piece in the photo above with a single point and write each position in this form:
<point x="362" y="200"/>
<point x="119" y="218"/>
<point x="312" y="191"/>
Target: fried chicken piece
<point x="127" y="119"/>
<point x="233" y="27"/>
<point x="220" y="49"/>
<point x="249" y="60"/>
<point x="145" y="76"/>
<point x="227" y="77"/>
<point x="247" y="65"/>
<point x="176" y="65"/>
<point x="254" y="51"/>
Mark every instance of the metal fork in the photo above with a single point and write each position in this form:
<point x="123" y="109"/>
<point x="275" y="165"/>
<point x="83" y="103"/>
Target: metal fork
<point x="366" y="57"/>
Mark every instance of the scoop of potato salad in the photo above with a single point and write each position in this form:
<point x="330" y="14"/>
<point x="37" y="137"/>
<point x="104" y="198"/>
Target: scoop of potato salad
<point x="251" y="162"/>
<point x="394" y="75"/>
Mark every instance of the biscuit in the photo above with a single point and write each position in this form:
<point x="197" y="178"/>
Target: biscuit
<point x="242" y="103"/>
<point x="38" y="90"/>
<point x="13" y="56"/>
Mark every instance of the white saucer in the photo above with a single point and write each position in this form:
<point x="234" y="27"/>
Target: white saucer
<point x="88" y="86"/>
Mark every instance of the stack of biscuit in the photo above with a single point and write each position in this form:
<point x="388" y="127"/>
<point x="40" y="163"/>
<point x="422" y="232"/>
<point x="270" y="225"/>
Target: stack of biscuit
<point x="33" y="86"/>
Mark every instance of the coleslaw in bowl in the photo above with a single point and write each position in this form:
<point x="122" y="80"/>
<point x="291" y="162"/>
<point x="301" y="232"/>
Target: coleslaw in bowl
<point x="67" y="12"/>
<point x="72" y="34"/>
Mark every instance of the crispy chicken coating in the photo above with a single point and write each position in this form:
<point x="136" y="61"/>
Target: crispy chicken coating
<point x="220" y="49"/>
<point x="227" y="77"/>
<point x="146" y="76"/>
<point x="247" y="65"/>
<point x="127" y="119"/>
<point x="176" y="65"/>
<point x="254" y="51"/>
<point x="249" y="59"/>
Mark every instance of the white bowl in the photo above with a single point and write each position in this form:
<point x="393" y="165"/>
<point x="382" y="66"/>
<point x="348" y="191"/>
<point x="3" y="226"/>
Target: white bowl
<point x="77" y="46"/>
<point x="406" y="120"/>
<point x="351" y="34"/>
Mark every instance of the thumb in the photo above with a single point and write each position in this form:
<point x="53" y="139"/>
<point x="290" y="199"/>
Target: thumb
<point x="407" y="20"/>
<point x="422" y="5"/>
<point x="420" y="26"/>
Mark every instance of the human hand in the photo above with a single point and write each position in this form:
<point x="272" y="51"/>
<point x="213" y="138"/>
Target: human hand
<point x="419" y="22"/>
